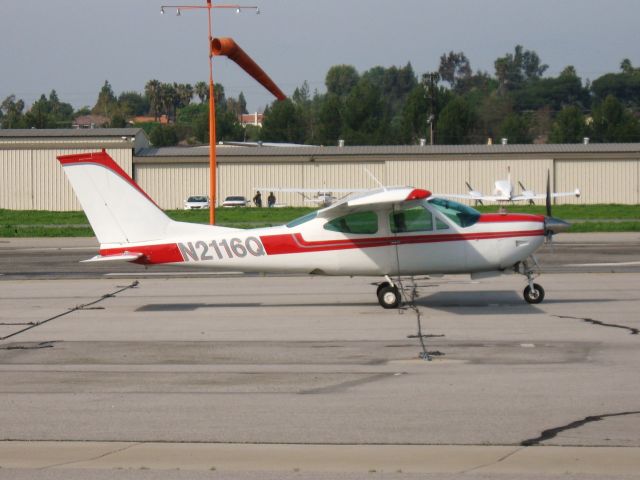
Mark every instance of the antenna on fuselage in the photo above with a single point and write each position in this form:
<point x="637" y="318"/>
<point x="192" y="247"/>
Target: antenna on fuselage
<point x="375" y="179"/>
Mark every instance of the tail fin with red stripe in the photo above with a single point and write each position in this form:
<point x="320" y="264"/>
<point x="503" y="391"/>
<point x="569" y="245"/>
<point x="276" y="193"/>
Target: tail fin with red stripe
<point x="118" y="210"/>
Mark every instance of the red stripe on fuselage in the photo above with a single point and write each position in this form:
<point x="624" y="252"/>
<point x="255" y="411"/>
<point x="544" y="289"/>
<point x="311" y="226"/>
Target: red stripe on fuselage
<point x="295" y="243"/>
<point x="151" y="254"/>
<point x="509" y="217"/>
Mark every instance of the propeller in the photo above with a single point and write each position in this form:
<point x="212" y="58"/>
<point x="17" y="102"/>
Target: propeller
<point x="474" y="193"/>
<point x="525" y="192"/>
<point x="552" y="225"/>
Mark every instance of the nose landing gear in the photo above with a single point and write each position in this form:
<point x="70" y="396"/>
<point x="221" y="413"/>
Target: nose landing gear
<point x="388" y="294"/>
<point x="533" y="293"/>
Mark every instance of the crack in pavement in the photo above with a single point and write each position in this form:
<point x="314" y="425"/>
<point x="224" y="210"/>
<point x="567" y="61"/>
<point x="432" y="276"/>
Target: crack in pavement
<point x="552" y="432"/>
<point x="76" y="308"/>
<point x="106" y="454"/>
<point x="634" y="331"/>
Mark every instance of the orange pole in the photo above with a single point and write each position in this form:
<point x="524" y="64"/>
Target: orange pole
<point x="212" y="132"/>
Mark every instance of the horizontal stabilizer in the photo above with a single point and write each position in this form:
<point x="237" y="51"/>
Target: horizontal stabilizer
<point x="121" y="257"/>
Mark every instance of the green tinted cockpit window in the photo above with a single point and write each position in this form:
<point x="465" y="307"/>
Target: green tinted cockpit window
<point x="357" y="222"/>
<point x="416" y="219"/>
<point x="460" y="214"/>
<point x="303" y="219"/>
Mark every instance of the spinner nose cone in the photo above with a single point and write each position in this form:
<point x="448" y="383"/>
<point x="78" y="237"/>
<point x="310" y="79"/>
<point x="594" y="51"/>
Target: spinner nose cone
<point x="555" y="225"/>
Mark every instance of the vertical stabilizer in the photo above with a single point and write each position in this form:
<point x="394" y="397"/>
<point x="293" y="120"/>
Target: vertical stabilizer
<point x="118" y="210"/>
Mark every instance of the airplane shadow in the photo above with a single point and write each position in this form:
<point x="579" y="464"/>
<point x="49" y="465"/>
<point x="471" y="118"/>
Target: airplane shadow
<point x="496" y="302"/>
<point x="188" y="307"/>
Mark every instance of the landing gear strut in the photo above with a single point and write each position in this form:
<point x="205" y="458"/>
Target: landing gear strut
<point x="533" y="293"/>
<point x="388" y="294"/>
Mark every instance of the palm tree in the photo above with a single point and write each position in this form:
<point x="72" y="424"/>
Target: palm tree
<point x="153" y="92"/>
<point x="202" y="91"/>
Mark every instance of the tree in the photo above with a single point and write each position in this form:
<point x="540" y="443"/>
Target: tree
<point x="132" y="104"/>
<point x="569" y="126"/>
<point x="282" y="123"/>
<point x="364" y="120"/>
<point x="330" y="119"/>
<point x="625" y="86"/>
<point x="414" y="116"/>
<point x="152" y="90"/>
<point x="202" y="91"/>
<point x="613" y="123"/>
<point x="515" y="128"/>
<point x="163" y="136"/>
<point x="454" y="69"/>
<point x="513" y="70"/>
<point x="456" y="122"/>
<point x="106" y="100"/>
<point x="12" y="112"/>
<point x="341" y="79"/>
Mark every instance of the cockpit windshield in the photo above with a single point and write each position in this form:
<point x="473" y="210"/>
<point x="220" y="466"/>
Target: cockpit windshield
<point x="457" y="212"/>
<point x="303" y="219"/>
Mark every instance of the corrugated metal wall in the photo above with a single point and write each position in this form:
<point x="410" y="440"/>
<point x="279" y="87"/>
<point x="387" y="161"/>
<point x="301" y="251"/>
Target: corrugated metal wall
<point x="34" y="179"/>
<point x="600" y="181"/>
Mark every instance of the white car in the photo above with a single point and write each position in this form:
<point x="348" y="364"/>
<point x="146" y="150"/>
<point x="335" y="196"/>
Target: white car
<point x="196" y="202"/>
<point x="235" y="201"/>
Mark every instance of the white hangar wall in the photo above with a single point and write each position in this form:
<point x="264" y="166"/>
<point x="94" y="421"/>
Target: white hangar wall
<point x="604" y="173"/>
<point x="32" y="179"/>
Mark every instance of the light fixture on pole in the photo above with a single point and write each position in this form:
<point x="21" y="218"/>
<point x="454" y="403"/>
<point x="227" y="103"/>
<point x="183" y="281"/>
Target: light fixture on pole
<point x="212" y="111"/>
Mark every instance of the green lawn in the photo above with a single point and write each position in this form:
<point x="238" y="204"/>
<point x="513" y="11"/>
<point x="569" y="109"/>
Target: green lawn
<point x="30" y="223"/>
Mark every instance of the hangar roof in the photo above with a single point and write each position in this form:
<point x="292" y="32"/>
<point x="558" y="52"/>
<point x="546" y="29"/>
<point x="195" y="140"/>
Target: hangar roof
<point x="68" y="132"/>
<point x="411" y="150"/>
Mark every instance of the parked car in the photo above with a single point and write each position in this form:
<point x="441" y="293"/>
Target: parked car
<point x="235" y="201"/>
<point x="196" y="202"/>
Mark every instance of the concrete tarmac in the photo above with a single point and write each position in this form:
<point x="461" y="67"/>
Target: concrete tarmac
<point x="240" y="376"/>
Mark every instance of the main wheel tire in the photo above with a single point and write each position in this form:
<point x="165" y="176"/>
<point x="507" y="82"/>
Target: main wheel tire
<point x="389" y="297"/>
<point x="533" y="296"/>
<point x="381" y="286"/>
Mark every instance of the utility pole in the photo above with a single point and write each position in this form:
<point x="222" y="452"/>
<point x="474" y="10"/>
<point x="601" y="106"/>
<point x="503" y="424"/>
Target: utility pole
<point x="430" y="84"/>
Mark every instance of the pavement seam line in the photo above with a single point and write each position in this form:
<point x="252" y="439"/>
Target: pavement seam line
<point x="106" y="454"/>
<point x="501" y="459"/>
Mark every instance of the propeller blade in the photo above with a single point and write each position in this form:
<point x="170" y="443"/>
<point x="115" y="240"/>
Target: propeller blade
<point x="548" y="199"/>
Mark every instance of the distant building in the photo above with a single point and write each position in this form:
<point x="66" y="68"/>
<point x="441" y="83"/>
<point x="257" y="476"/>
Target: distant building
<point x="254" y="119"/>
<point x="90" y="121"/>
<point x="163" y="119"/>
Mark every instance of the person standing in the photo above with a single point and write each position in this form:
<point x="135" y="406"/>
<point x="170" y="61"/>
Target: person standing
<point x="271" y="200"/>
<point x="257" y="200"/>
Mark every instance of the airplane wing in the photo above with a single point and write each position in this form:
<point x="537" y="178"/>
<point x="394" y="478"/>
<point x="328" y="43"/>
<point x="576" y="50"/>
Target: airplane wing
<point x="475" y="196"/>
<point x="313" y="190"/>
<point x="375" y="198"/>
<point x="542" y="196"/>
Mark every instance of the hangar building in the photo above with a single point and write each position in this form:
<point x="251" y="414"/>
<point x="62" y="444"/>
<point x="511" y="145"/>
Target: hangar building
<point x="32" y="178"/>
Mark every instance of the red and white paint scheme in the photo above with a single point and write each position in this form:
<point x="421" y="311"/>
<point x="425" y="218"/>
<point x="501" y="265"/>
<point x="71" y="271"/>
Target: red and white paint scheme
<point x="386" y="232"/>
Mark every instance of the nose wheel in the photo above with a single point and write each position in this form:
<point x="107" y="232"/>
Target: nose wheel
<point x="533" y="293"/>
<point x="388" y="295"/>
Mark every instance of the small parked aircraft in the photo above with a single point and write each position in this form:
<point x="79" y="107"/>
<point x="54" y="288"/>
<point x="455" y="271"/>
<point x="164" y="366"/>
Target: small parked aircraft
<point x="385" y="232"/>
<point x="504" y="192"/>
<point x="322" y="197"/>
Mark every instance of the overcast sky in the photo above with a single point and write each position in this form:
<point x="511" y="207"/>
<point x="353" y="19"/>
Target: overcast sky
<point x="73" y="46"/>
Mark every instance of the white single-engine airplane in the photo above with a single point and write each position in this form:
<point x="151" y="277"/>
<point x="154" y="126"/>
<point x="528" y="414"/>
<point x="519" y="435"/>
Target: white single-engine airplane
<point x="323" y="197"/>
<point x="504" y="193"/>
<point x="385" y="232"/>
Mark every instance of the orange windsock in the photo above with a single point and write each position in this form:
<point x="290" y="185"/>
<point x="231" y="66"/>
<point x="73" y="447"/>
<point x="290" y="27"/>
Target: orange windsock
<point x="229" y="48"/>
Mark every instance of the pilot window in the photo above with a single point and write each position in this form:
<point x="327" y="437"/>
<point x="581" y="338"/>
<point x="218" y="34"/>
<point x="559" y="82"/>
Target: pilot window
<point x="416" y="219"/>
<point x="357" y="222"/>
<point x="304" y="219"/>
<point x="457" y="212"/>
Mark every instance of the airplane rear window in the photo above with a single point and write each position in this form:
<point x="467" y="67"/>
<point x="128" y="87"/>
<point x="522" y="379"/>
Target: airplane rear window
<point x="358" y="223"/>
<point x="416" y="219"/>
<point x="457" y="212"/>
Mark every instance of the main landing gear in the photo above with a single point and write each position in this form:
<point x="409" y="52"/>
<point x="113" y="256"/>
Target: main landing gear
<point x="388" y="294"/>
<point x="533" y="293"/>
